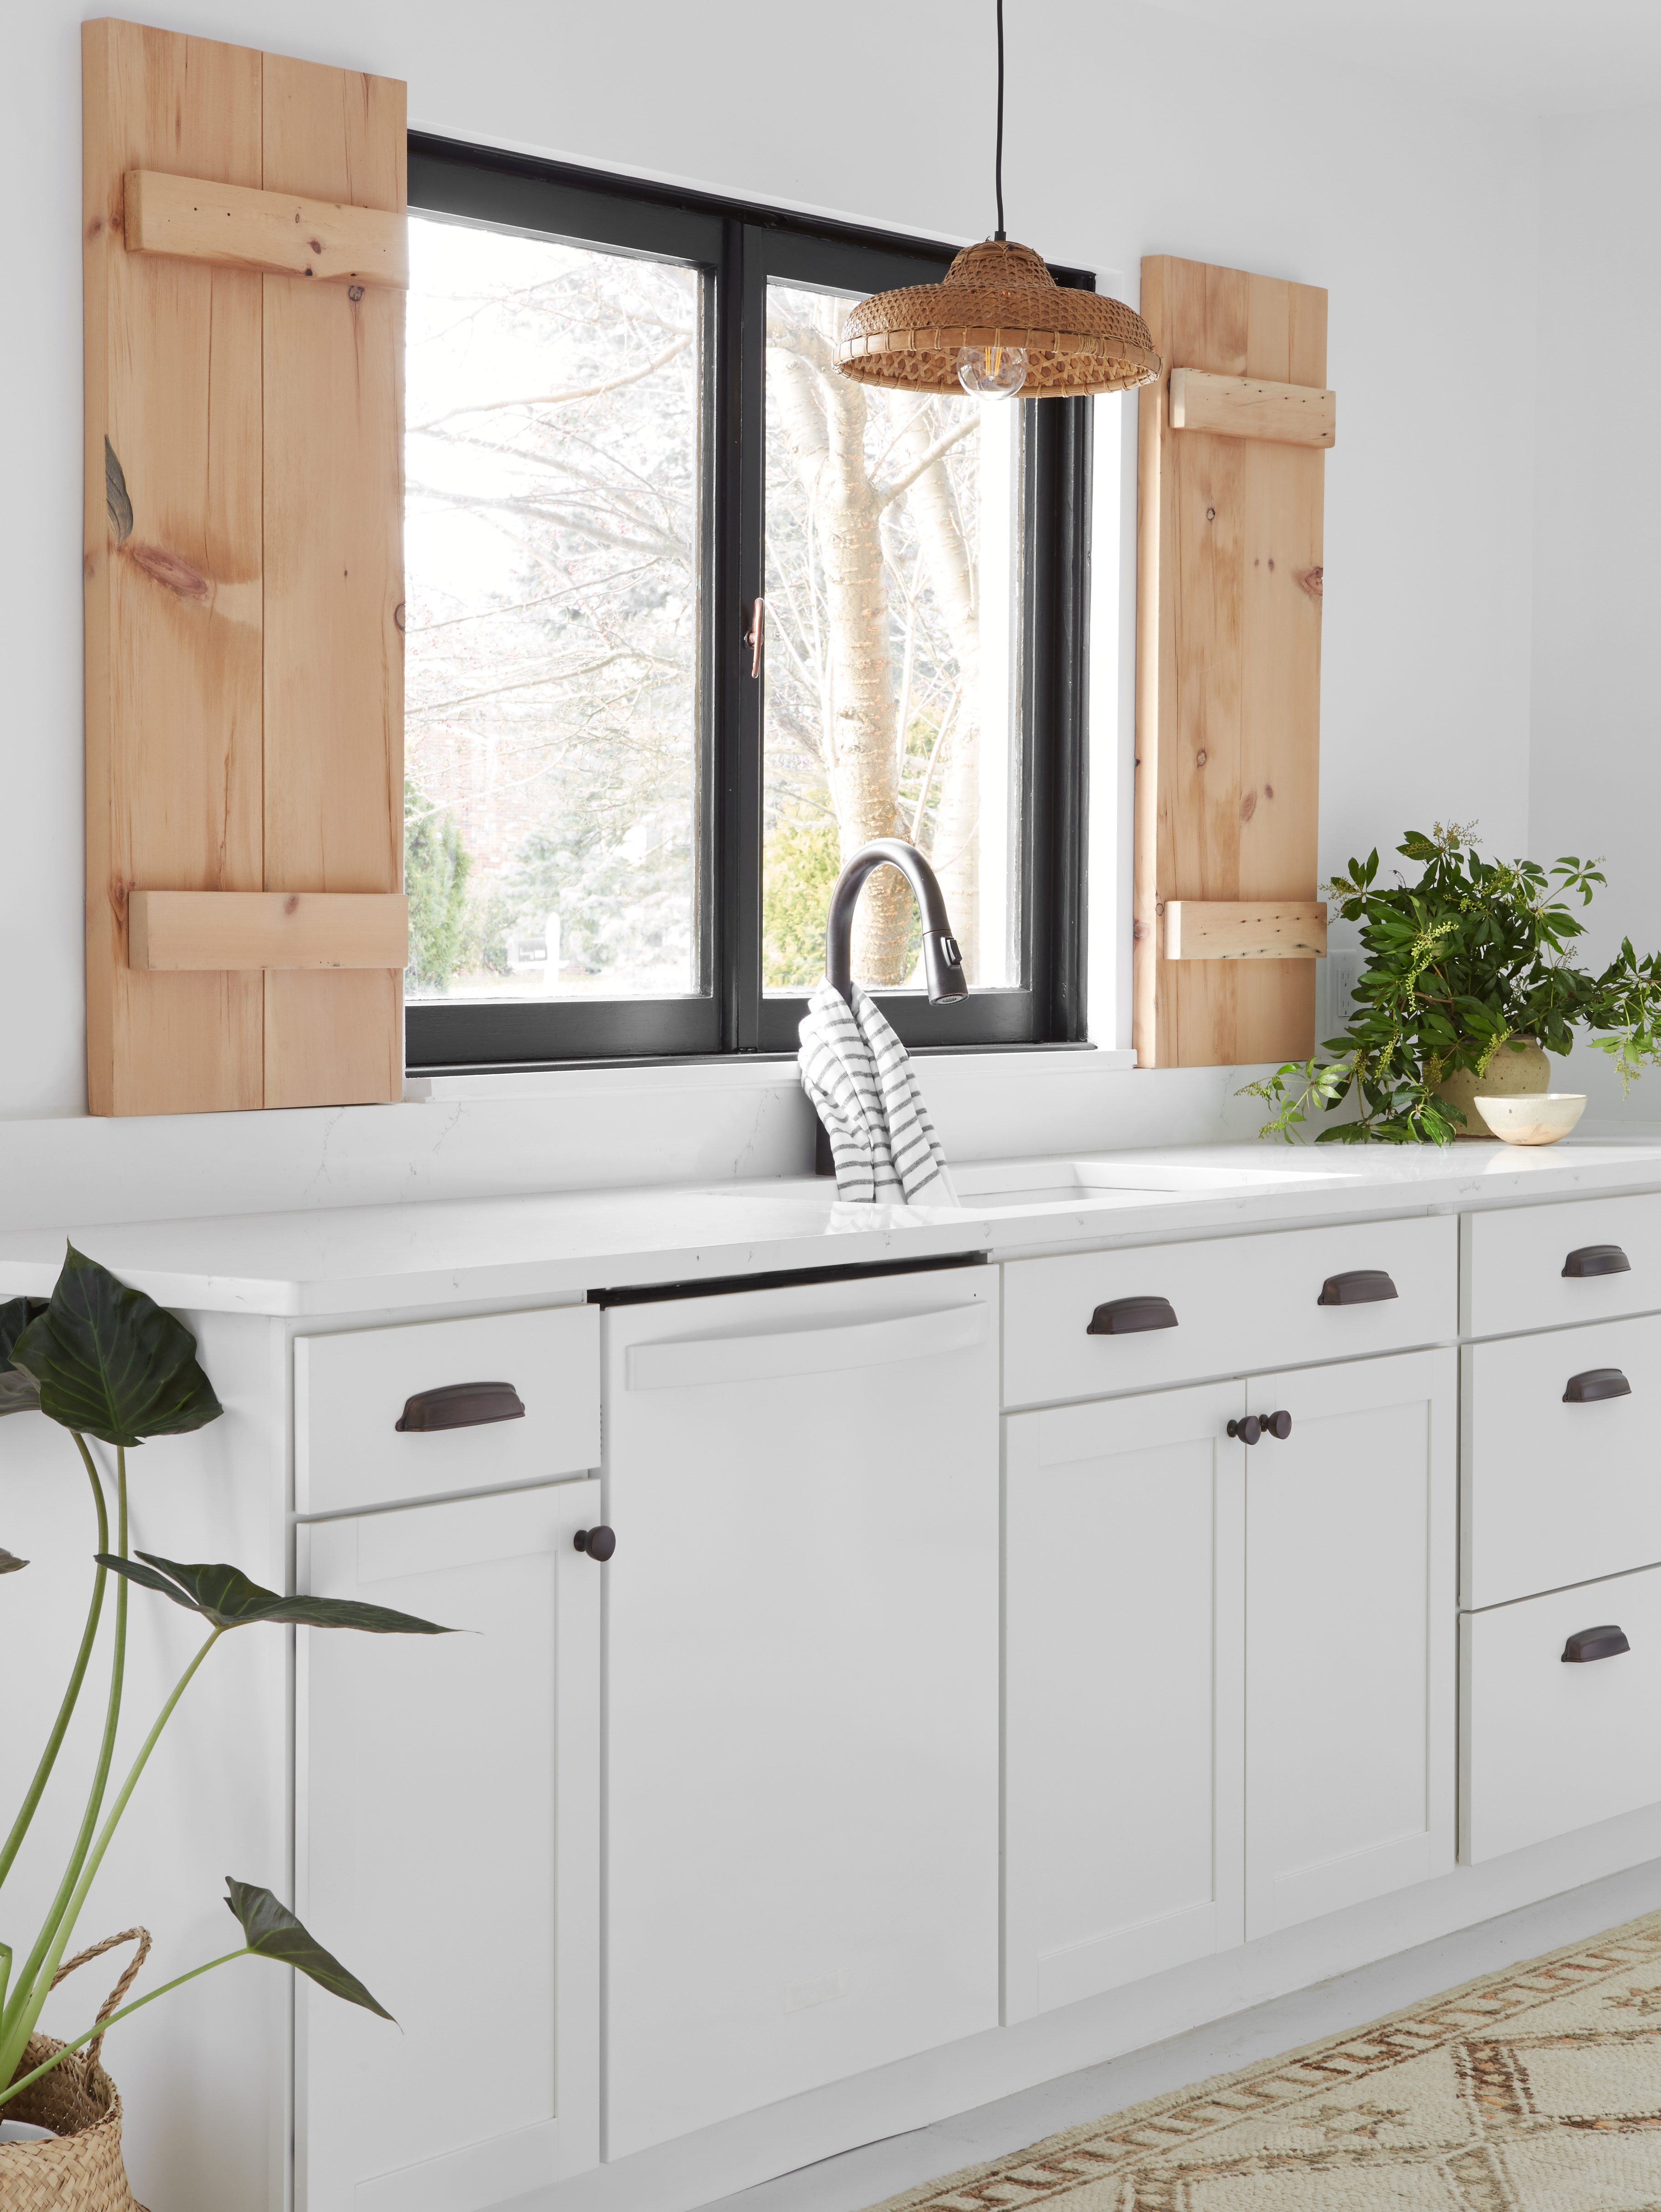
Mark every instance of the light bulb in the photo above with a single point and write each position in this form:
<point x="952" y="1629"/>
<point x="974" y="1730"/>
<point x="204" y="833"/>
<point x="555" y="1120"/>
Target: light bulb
<point x="991" y="371"/>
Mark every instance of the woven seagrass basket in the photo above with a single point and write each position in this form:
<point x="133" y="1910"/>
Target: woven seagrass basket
<point x="81" y="2169"/>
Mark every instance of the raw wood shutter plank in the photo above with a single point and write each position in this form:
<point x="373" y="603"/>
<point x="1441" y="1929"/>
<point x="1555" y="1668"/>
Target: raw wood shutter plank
<point x="173" y="630"/>
<point x="334" y="666"/>
<point x="267" y="929"/>
<point x="1208" y="323"/>
<point x="238" y="228"/>
<point x="1280" y="688"/>
<point x="1252" y="929"/>
<point x="1229" y="668"/>
<point x="1155" y="665"/>
<point x="1249" y="407"/>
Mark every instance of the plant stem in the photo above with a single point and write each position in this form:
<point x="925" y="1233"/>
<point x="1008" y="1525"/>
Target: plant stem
<point x="94" y="1861"/>
<point x="5" y="1969"/>
<point x="19" y="1826"/>
<point x="103" y="2027"/>
<point x="31" y="1994"/>
<point x="22" y="1996"/>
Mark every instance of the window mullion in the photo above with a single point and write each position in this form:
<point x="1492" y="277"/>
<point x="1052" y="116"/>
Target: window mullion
<point x="743" y="917"/>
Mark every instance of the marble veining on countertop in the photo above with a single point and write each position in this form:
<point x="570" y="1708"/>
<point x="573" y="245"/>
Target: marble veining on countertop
<point x="391" y="1257"/>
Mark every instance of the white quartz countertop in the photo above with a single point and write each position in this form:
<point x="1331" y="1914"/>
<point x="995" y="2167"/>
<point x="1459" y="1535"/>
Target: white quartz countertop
<point x="387" y="1258"/>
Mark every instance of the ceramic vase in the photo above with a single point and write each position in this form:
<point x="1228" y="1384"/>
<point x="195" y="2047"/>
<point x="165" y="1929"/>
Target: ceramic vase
<point x="1510" y="1075"/>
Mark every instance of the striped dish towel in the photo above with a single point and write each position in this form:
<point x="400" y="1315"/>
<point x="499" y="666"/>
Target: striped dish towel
<point x="860" y="1078"/>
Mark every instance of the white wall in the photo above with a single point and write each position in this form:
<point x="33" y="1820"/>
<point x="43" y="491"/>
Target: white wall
<point x="1595" y="753"/>
<point x="1130" y="130"/>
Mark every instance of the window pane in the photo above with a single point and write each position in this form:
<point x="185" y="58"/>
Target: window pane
<point x="893" y="583"/>
<point x="554" y="557"/>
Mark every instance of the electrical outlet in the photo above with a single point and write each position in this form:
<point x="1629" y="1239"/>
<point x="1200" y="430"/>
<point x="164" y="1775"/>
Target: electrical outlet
<point x="1340" y="972"/>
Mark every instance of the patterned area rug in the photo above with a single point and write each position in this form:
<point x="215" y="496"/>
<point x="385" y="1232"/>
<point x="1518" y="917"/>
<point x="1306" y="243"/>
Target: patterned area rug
<point x="1535" y="2090"/>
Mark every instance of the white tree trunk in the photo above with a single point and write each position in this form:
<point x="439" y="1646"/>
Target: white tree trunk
<point x="956" y="844"/>
<point x="824" y="419"/>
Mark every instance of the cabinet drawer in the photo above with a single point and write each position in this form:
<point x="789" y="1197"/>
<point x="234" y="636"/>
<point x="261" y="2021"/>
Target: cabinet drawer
<point x="351" y="1391"/>
<point x="1560" y="1491"/>
<point x="1514" y="1263"/>
<point x="1548" y="1745"/>
<point x="1241" y="1302"/>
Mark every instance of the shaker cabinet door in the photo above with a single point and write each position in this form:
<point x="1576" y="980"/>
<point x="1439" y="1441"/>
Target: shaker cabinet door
<point x="1124" y="1690"/>
<point x="1351" y="1526"/>
<point x="449" y="1831"/>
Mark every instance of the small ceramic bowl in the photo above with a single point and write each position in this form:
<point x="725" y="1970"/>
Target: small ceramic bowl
<point x="1540" y="1117"/>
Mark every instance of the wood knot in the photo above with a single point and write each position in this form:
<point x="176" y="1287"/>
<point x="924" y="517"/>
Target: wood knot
<point x="291" y="904"/>
<point x="354" y="291"/>
<point x="1201" y="757"/>
<point x="1138" y="932"/>
<point x="398" y="614"/>
<point x="170" y="570"/>
<point x="1310" y="580"/>
<point x="1248" y="806"/>
<point x="316" y="245"/>
<point x="1211" y="514"/>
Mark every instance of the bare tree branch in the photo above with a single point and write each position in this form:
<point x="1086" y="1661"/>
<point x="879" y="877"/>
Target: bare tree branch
<point x="557" y="399"/>
<point x="420" y="711"/>
<point x="942" y="445"/>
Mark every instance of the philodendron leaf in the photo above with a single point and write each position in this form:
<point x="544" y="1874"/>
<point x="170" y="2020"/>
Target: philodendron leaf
<point x="225" y="1597"/>
<point x="111" y="1362"/>
<point x="9" y="1563"/>
<point x="19" y="1392"/>
<point x="273" y="1932"/>
<point x="15" y="1315"/>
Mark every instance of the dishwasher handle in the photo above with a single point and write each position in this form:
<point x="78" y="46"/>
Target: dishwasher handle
<point x="684" y="1362"/>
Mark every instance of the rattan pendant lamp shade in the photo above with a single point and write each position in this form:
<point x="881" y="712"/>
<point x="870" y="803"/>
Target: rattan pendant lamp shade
<point x="998" y="296"/>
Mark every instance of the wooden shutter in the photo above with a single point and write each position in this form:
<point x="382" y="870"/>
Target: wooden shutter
<point x="1228" y="667"/>
<point x="244" y="258"/>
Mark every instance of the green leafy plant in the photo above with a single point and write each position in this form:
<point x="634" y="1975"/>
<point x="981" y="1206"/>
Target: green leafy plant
<point x="106" y="1363"/>
<point x="1473" y="959"/>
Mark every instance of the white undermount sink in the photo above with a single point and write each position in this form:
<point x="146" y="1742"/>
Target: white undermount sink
<point x="1030" y="1186"/>
<point x="1017" y="1186"/>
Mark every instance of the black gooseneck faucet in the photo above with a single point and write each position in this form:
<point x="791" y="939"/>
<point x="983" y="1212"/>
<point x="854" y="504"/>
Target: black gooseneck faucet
<point x="941" y="959"/>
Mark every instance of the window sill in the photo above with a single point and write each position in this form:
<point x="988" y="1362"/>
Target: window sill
<point x="1035" y="1065"/>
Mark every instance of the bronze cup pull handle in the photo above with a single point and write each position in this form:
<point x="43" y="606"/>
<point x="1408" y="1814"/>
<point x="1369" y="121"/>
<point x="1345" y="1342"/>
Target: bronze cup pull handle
<point x="459" y="1406"/>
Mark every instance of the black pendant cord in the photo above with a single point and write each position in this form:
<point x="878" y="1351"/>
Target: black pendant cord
<point x="998" y="164"/>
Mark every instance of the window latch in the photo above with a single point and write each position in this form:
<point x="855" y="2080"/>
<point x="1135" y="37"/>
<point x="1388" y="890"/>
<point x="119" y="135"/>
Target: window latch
<point x="752" y="636"/>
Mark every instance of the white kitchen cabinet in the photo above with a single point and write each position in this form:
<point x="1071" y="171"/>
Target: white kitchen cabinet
<point x="1124" y="1691"/>
<point x="1235" y="1303"/>
<point x="1561" y="1465"/>
<point x="448" y="1806"/>
<point x="802" y="1690"/>
<point x="353" y="1387"/>
<point x="1351" y="1597"/>
<point x="1549" y="1742"/>
<point x="1545" y="1267"/>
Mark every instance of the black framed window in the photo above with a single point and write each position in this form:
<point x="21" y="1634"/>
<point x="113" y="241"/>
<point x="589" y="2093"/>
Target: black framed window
<point x="624" y="813"/>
